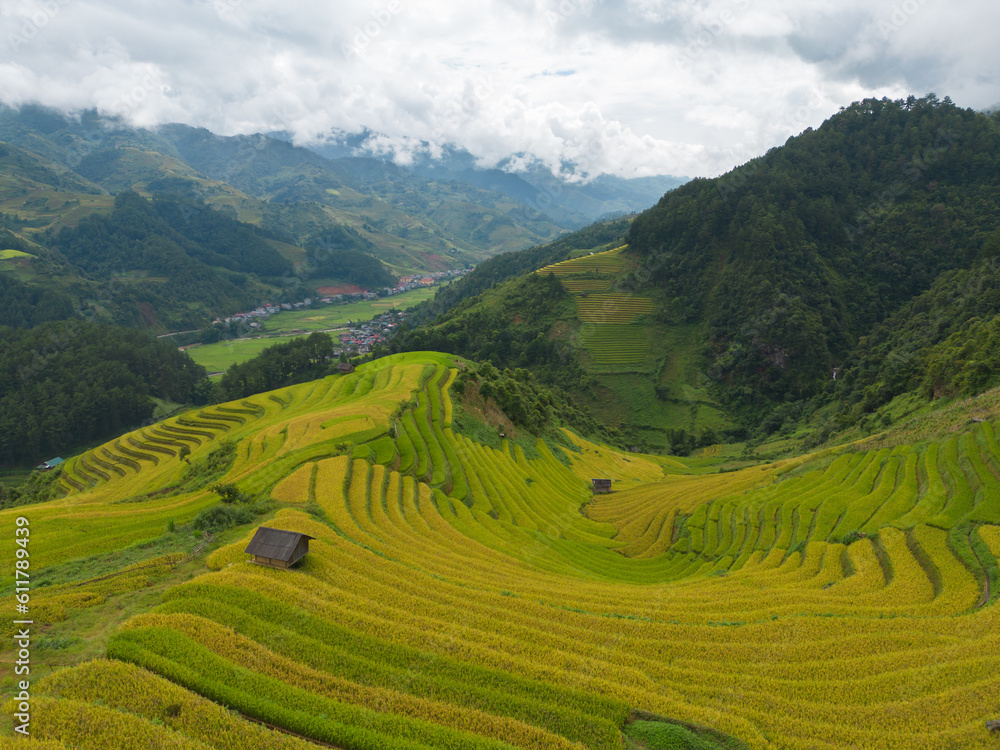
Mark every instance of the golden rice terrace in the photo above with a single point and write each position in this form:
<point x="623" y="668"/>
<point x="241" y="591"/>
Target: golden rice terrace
<point x="457" y="595"/>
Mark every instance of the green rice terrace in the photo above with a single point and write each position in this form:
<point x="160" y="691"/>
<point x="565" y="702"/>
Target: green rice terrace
<point x="467" y="594"/>
<point x="646" y="368"/>
<point x="611" y="335"/>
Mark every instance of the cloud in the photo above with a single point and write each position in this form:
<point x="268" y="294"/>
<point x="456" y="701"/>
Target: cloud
<point x="629" y="87"/>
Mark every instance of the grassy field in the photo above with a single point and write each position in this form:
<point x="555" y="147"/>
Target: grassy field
<point x="459" y="595"/>
<point x="219" y="356"/>
<point x="10" y="254"/>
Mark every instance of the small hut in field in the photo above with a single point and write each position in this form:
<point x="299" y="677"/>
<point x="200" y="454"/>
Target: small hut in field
<point x="277" y="548"/>
<point x="601" y="486"/>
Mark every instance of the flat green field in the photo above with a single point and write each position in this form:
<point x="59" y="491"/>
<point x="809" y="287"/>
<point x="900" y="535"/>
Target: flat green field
<point x="334" y="316"/>
<point x="218" y="357"/>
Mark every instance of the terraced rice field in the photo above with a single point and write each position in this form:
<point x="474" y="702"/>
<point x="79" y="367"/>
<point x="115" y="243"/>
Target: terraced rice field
<point x="608" y="262"/>
<point x="460" y="596"/>
<point x="577" y="284"/>
<point x="616" y="343"/>
<point x="608" y="332"/>
<point x="612" y="307"/>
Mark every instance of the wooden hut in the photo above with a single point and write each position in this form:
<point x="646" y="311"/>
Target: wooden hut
<point x="601" y="486"/>
<point x="345" y="368"/>
<point x="277" y="548"/>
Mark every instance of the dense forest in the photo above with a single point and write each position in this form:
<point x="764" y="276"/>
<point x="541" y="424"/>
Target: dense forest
<point x="793" y="257"/>
<point x="341" y="252"/>
<point x="944" y="342"/>
<point x="67" y="384"/>
<point x="163" y="254"/>
<point x="511" y="332"/>
<point x="287" y="363"/>
<point x="25" y="305"/>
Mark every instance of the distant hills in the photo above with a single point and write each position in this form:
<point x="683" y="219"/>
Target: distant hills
<point x="323" y="220"/>
<point x="571" y="204"/>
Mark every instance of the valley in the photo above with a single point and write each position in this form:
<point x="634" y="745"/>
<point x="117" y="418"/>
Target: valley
<point x="722" y="474"/>
<point x="458" y="592"/>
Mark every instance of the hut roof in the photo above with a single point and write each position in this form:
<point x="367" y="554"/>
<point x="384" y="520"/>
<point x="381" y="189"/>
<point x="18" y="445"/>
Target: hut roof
<point x="274" y="543"/>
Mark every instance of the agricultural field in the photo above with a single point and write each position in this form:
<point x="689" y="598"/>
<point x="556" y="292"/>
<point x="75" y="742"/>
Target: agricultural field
<point x="608" y="262"/>
<point x="622" y="334"/>
<point x="13" y="254"/>
<point x="457" y="595"/>
<point x="612" y="307"/>
<point x="219" y="356"/>
<point x="334" y="316"/>
<point x="616" y="344"/>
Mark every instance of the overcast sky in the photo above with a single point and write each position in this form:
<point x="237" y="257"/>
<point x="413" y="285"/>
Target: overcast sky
<point x="633" y="87"/>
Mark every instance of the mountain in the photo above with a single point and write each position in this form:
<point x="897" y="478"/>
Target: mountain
<point x="791" y="258"/>
<point x="737" y="300"/>
<point x="571" y="202"/>
<point x="415" y="219"/>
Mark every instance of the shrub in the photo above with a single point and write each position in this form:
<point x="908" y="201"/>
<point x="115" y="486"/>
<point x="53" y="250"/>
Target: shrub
<point x="221" y="517"/>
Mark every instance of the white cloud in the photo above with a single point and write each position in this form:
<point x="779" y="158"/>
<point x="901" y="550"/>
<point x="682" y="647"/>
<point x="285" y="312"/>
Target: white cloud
<point x="630" y="87"/>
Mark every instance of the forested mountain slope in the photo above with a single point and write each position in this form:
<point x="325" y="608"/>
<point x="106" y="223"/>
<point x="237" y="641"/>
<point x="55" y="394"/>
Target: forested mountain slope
<point x="761" y="286"/>
<point x="791" y="258"/>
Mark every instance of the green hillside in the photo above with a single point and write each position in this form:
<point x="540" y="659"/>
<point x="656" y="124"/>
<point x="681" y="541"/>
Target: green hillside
<point x="789" y="260"/>
<point x="464" y="589"/>
<point x="573" y="324"/>
<point x="804" y="290"/>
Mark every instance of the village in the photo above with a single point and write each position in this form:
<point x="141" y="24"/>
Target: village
<point x="254" y="318"/>
<point x="355" y="338"/>
<point x="360" y="338"/>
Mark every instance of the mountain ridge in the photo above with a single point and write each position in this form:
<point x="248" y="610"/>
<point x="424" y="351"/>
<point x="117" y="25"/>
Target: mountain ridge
<point x="765" y="282"/>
